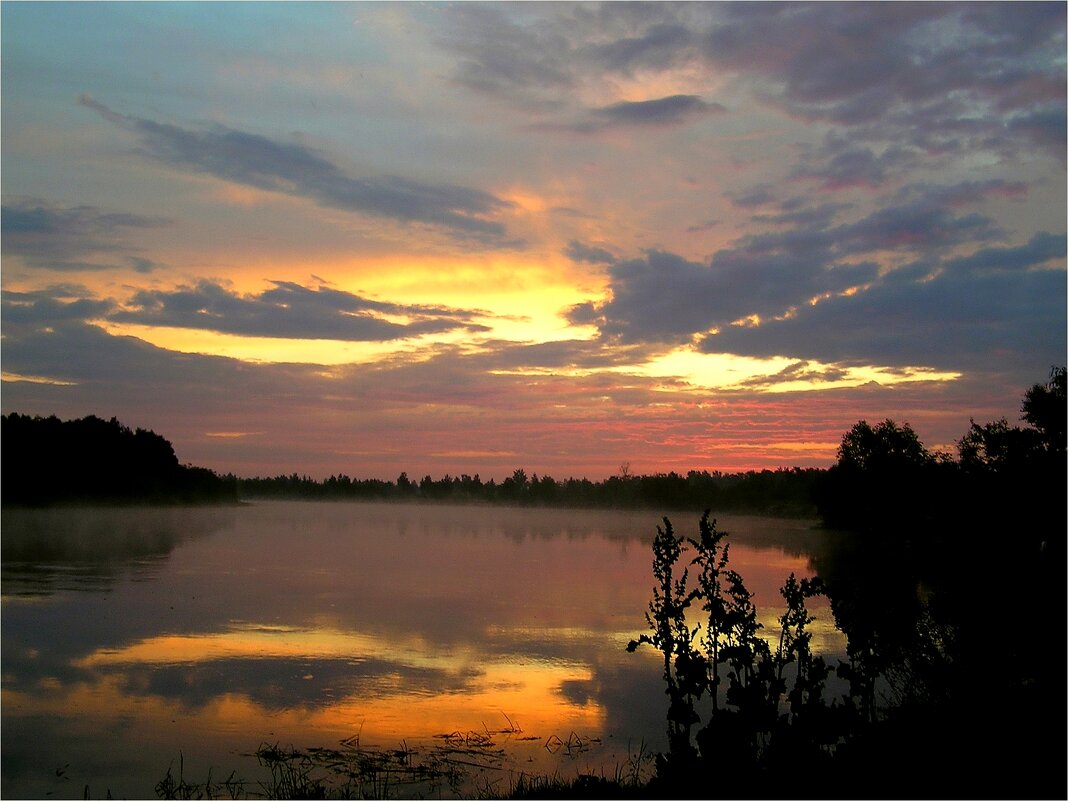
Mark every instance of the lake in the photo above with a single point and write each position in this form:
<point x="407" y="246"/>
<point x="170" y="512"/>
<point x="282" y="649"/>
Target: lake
<point x="138" y="640"/>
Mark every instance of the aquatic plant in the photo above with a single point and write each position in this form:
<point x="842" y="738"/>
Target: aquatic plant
<point x="753" y="706"/>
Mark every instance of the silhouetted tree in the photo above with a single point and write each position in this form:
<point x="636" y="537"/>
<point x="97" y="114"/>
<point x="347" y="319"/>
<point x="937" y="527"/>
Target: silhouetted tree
<point x="884" y="476"/>
<point x="1044" y="408"/>
<point x="46" y="461"/>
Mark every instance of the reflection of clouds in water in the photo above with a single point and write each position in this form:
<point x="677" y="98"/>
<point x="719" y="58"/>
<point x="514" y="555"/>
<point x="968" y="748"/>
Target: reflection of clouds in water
<point x="315" y="619"/>
<point x="278" y="684"/>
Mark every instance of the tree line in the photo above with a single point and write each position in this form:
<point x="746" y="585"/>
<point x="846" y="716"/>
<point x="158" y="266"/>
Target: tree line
<point x="48" y="461"/>
<point x="883" y="474"/>
<point x="786" y="491"/>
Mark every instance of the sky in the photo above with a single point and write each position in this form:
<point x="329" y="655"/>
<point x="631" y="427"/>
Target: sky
<point x="576" y="239"/>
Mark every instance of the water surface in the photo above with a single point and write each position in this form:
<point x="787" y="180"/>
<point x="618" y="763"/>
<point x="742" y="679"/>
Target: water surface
<point x="133" y="637"/>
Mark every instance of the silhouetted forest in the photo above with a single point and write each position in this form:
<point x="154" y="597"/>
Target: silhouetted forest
<point x="786" y="491"/>
<point x="49" y="461"/>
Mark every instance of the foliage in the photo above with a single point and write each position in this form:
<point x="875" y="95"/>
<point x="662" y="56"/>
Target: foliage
<point x="1043" y="409"/>
<point x="766" y="704"/>
<point x="684" y="667"/>
<point x="930" y="637"/>
<point x="885" y="480"/>
<point x="882" y="448"/>
<point x="48" y="461"/>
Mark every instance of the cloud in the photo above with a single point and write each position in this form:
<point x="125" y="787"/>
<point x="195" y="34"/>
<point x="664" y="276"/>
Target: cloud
<point x="998" y="305"/>
<point x="812" y="217"/>
<point x="922" y="281"/>
<point x="502" y="56"/>
<point x="924" y="76"/>
<point x="50" y="306"/>
<point x="663" y="112"/>
<point x="579" y="251"/>
<point x="842" y="165"/>
<point x="289" y="168"/>
<point x="1042" y="250"/>
<point x="72" y="238"/>
<point x="798" y="371"/>
<point x="289" y="310"/>
<point x="660" y="46"/>
<point x="663" y="297"/>
<point x="755" y="196"/>
<point x="964" y="193"/>
<point x="670" y="110"/>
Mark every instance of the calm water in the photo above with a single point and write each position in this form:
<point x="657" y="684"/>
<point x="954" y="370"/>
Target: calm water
<point x="135" y="638"/>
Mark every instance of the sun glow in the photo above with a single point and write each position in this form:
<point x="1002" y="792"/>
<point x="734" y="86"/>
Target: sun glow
<point x="486" y="298"/>
<point x="327" y="352"/>
<point x="726" y="371"/>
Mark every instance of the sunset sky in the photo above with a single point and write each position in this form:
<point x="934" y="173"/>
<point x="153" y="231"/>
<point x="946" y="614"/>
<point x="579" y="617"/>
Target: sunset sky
<point x="436" y="238"/>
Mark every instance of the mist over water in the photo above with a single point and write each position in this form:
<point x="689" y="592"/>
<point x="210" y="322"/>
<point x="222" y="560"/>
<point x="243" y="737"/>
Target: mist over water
<point x="133" y="636"/>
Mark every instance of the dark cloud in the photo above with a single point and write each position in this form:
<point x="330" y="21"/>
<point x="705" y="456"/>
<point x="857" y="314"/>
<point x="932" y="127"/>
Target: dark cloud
<point x="757" y="196"/>
<point x="1043" y="249"/>
<point x="578" y="251"/>
<point x="71" y="238"/>
<point x="293" y="169"/>
<point x="504" y="56"/>
<point x="798" y="371"/>
<point x="587" y="313"/>
<point x="902" y="82"/>
<point x="930" y="75"/>
<point x="579" y="354"/>
<point x="773" y="278"/>
<point x="665" y="298"/>
<point x="964" y="193"/>
<point x="660" y="46"/>
<point x="995" y="306"/>
<point x="47" y="307"/>
<point x="920" y="225"/>
<point x="277" y="683"/>
<point x="142" y="265"/>
<point x="841" y="165"/>
<point x="660" y="112"/>
<point x="288" y="310"/>
<point x="814" y="217"/>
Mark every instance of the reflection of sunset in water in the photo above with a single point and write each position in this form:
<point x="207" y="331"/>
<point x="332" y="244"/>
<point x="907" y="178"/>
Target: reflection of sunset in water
<point x="308" y="624"/>
<point x="474" y="685"/>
